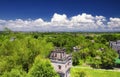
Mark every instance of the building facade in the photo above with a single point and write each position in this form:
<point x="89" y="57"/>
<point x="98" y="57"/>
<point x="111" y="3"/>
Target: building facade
<point x="61" y="62"/>
<point x="115" y="45"/>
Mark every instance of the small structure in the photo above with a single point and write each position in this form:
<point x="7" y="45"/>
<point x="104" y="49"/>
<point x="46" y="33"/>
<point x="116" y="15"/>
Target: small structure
<point x="76" y="48"/>
<point x="12" y="38"/>
<point x="61" y="62"/>
<point x="115" y="45"/>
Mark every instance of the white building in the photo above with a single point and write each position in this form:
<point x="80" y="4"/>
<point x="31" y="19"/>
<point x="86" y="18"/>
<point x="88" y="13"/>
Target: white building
<point x="116" y="46"/>
<point x="61" y="62"/>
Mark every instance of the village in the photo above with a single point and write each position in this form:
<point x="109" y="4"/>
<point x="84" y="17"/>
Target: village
<point x="59" y="54"/>
<point x="62" y="62"/>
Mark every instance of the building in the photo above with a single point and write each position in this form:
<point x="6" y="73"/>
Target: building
<point x="61" y="62"/>
<point x="76" y="48"/>
<point x="115" y="45"/>
<point x="12" y="38"/>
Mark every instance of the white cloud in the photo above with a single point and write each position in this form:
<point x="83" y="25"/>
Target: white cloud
<point x="114" y="23"/>
<point x="59" y="18"/>
<point x="81" y="22"/>
<point x="83" y="18"/>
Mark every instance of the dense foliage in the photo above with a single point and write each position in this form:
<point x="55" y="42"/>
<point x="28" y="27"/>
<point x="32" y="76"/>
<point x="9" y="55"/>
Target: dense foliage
<point x="93" y="49"/>
<point x="26" y="54"/>
<point x="18" y="52"/>
<point x="42" y="68"/>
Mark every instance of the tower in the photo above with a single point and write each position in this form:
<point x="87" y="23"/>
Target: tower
<point x="61" y="62"/>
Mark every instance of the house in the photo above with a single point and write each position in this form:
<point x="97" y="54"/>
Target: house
<point x="76" y="48"/>
<point x="61" y="62"/>
<point x="12" y="38"/>
<point x="115" y="45"/>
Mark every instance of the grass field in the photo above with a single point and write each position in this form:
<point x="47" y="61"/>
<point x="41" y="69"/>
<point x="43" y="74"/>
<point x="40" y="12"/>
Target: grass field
<point x="94" y="72"/>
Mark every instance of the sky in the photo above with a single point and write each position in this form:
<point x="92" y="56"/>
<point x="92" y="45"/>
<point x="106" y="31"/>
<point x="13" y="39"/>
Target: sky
<point x="60" y="15"/>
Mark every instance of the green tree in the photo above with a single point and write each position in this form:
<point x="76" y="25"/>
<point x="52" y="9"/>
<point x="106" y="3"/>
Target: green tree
<point x="75" y="58"/>
<point x="42" y="68"/>
<point x="15" y="72"/>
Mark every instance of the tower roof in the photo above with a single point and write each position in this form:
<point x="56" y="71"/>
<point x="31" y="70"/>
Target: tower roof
<point x="58" y="50"/>
<point x="59" y="55"/>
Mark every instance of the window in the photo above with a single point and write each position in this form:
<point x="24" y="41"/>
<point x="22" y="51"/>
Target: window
<point x="59" y="67"/>
<point x="119" y="51"/>
<point x="55" y="54"/>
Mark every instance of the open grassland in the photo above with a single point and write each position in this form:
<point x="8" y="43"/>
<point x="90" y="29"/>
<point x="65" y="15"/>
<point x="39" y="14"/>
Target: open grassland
<point x="89" y="72"/>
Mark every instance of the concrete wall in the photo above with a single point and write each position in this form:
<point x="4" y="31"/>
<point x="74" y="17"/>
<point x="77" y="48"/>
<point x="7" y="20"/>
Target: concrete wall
<point x="65" y="68"/>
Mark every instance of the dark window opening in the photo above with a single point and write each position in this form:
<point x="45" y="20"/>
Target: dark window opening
<point x="55" y="55"/>
<point x="59" y="67"/>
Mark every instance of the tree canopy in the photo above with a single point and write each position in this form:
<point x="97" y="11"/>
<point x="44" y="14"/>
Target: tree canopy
<point x="26" y="54"/>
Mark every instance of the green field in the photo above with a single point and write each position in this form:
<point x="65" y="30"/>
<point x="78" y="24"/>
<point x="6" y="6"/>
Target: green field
<point x="94" y="72"/>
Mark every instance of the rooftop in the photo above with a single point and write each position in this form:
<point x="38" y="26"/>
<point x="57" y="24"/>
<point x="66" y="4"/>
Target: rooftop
<point x="59" y="55"/>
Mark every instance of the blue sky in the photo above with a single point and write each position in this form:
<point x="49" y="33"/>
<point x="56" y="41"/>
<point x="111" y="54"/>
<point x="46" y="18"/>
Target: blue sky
<point x="60" y="15"/>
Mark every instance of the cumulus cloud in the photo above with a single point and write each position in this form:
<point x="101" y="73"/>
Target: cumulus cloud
<point x="60" y="22"/>
<point x="114" y="24"/>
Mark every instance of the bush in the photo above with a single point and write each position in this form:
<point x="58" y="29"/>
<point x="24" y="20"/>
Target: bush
<point x="81" y="74"/>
